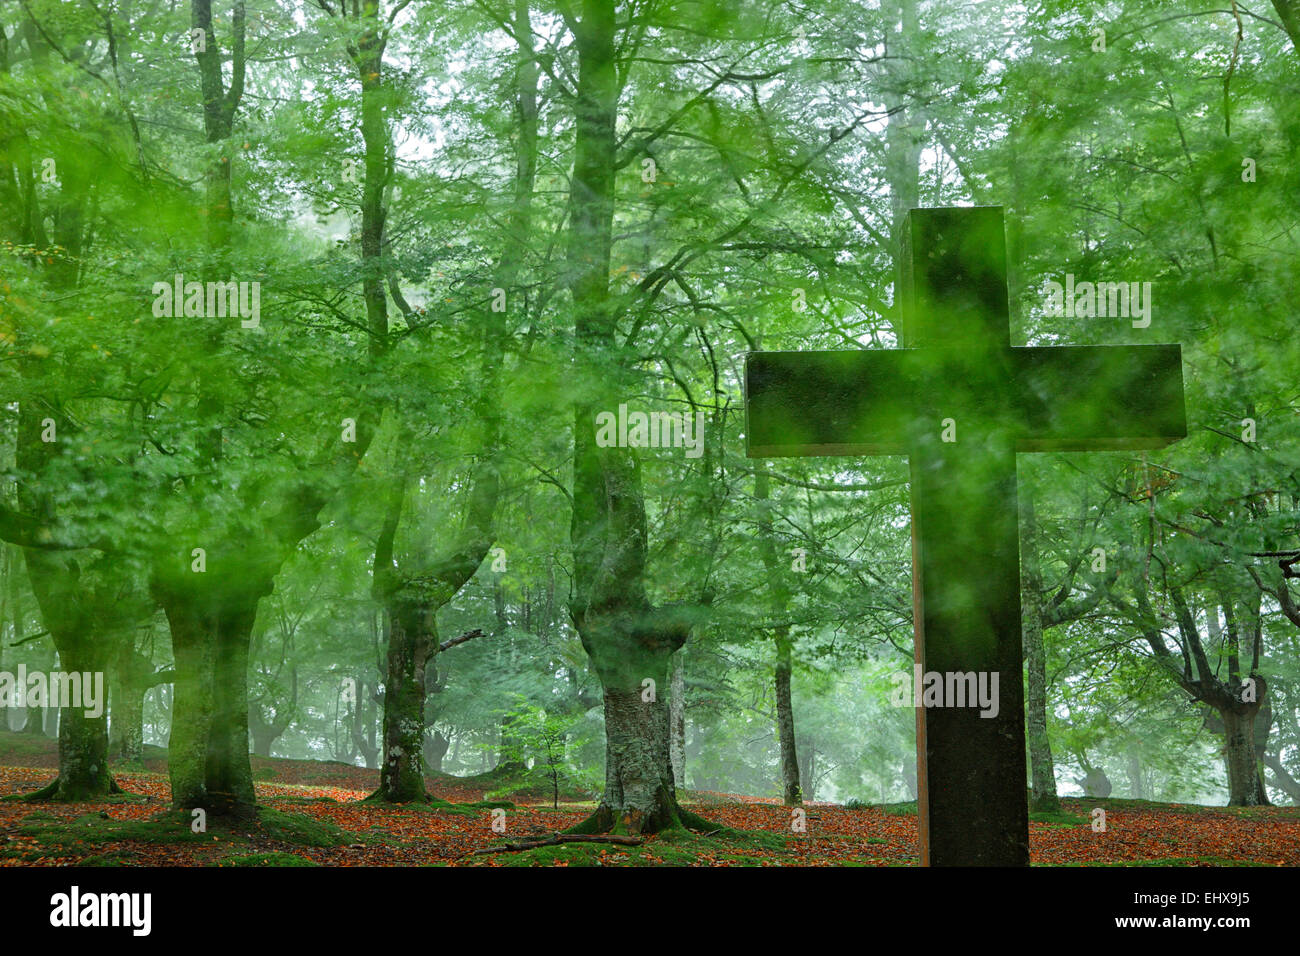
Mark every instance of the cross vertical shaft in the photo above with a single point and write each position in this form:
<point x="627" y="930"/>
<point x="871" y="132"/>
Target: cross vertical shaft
<point x="965" y="544"/>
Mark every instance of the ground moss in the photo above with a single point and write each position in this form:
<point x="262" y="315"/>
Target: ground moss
<point x="266" y="859"/>
<point x="1167" y="861"/>
<point x="1059" y="818"/>
<point x="905" y="809"/>
<point x="675" y="847"/>
<point x="96" y="828"/>
<point x="301" y="830"/>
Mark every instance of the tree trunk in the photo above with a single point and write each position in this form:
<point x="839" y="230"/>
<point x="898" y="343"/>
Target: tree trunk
<point x="208" y="748"/>
<point x="83" y="740"/>
<point x="435" y="749"/>
<point x="262" y="740"/>
<point x="1095" y="783"/>
<point x="412" y="634"/>
<point x="1245" y="782"/>
<point x="126" y="728"/>
<point x="791" y="791"/>
<point x="363" y="725"/>
<point x="639" y="793"/>
<point x="510" y="750"/>
<point x="628" y="640"/>
<point x="1136" y="781"/>
<point x="807" y="767"/>
<point x="1042" y="769"/>
<point x="1282" y="779"/>
<point x="677" y="721"/>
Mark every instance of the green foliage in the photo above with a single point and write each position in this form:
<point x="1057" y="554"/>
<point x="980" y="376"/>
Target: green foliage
<point x="782" y="159"/>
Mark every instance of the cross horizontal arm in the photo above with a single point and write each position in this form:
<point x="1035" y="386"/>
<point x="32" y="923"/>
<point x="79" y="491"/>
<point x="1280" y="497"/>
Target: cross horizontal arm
<point x="883" y="402"/>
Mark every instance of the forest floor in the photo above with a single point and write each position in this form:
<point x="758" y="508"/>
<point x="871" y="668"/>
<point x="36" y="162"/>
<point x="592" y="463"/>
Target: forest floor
<point x="313" y="815"/>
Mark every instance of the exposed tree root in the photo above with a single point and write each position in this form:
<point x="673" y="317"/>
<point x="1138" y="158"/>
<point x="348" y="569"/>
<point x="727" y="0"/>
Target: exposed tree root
<point x="57" y="791"/>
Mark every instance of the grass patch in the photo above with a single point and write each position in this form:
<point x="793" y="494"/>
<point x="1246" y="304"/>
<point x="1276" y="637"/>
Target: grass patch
<point x="266" y="859"/>
<point x="98" y="828"/>
<point x="302" y="830"/>
<point x="432" y="805"/>
<point x="305" y="800"/>
<point x="1059" y="818"/>
<point x="905" y="809"/>
<point x="669" y="848"/>
<point x="1169" y="861"/>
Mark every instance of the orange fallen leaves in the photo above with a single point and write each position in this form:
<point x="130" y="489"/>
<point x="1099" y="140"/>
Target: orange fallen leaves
<point x="835" y="836"/>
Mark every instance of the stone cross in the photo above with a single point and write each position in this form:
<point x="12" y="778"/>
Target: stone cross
<point x="960" y="402"/>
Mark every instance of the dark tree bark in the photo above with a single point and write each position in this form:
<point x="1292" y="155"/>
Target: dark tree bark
<point x="436" y="746"/>
<point x="412" y="592"/>
<point x="84" y="646"/>
<point x="265" y="732"/>
<point x="779" y="598"/>
<point x="362" y="725"/>
<point x="412" y="634"/>
<point x="791" y="790"/>
<point x="629" y="642"/>
<point x="133" y="677"/>
<point x="677" y="721"/>
<point x="1235" y="702"/>
<point x="211" y="617"/>
<point x="1042" y="769"/>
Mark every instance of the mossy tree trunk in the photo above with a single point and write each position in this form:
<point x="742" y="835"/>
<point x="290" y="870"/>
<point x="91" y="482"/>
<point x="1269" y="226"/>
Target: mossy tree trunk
<point x="791" y="789"/>
<point x="82" y="633"/>
<point x="677" y="720"/>
<point x="414" y="587"/>
<point x="412" y="636"/>
<point x="132" y="678"/>
<point x="629" y="641"/>
<point x="782" y="670"/>
<point x="211" y="618"/>
<point x="640" y="793"/>
<point x="1042" y="769"/>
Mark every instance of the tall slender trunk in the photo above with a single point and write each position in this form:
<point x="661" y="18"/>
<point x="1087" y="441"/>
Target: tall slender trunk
<point x="362" y="726"/>
<point x="130" y="682"/>
<point x="1042" y="769"/>
<point x="791" y="788"/>
<point x="629" y="642"/>
<point x="677" y="720"/>
<point x="779" y="595"/>
<point x="807" y="766"/>
<point x="1136" y="781"/>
